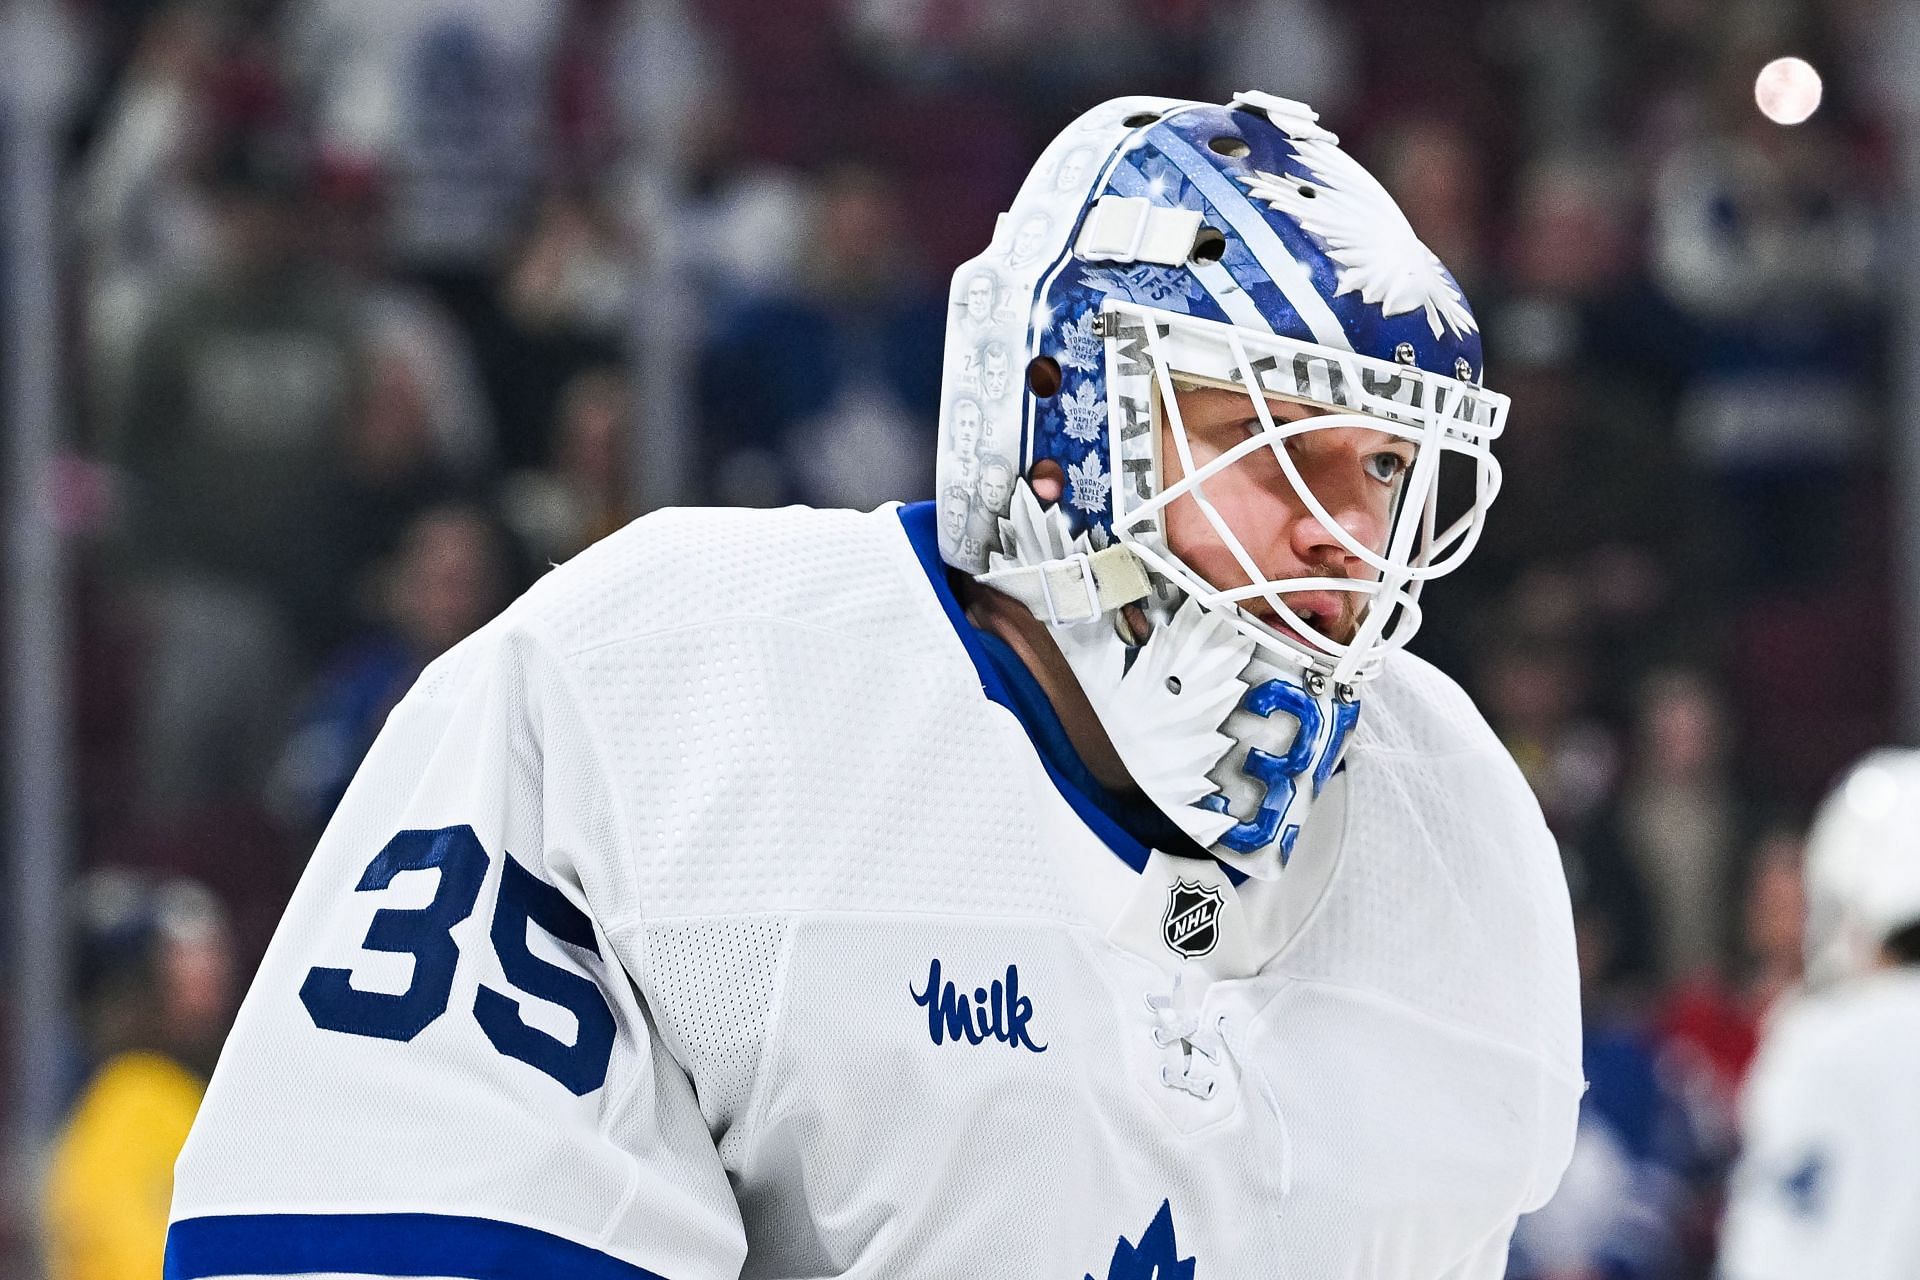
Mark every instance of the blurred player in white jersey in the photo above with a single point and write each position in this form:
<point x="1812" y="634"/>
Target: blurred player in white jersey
<point x="1070" y="880"/>
<point x="1828" y="1183"/>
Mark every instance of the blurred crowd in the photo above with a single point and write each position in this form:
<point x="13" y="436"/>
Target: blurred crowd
<point x="378" y="307"/>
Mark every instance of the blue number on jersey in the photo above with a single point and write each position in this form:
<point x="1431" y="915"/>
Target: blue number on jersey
<point x="526" y="899"/>
<point x="425" y="933"/>
<point x="1279" y="775"/>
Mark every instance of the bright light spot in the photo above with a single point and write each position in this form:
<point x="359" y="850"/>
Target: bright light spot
<point x="1872" y="791"/>
<point x="1788" y="90"/>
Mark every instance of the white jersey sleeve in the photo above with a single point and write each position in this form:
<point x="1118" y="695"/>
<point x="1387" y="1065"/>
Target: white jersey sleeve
<point x="1827" y="1183"/>
<point x="442" y="1066"/>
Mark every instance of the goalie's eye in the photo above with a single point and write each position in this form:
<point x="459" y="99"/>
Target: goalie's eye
<point x="1387" y="466"/>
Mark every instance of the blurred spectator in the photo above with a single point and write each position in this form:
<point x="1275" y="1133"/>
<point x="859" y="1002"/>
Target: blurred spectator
<point x="1047" y="51"/>
<point x="405" y="325"/>
<point x="451" y="102"/>
<point x="573" y="271"/>
<point x="569" y="295"/>
<point x="735" y="224"/>
<point x="195" y="80"/>
<point x="923" y="40"/>
<point x="450" y="573"/>
<point x="1766" y="238"/>
<point x="663" y="77"/>
<point x="1561" y="52"/>
<point x="1436" y="171"/>
<point x="1570" y="241"/>
<point x="393" y="467"/>
<point x="1589" y="351"/>
<point x="1678" y="819"/>
<point x="423" y="432"/>
<point x="1710" y="1025"/>
<point x="1533" y="677"/>
<point x="1712" y="1020"/>
<point x="452" y="107"/>
<point x="825" y="394"/>
<point x="156" y="979"/>
<point x="242" y="392"/>
<point x="242" y="388"/>
<point x="1532" y="682"/>
<point x="1299" y="49"/>
<point x="140" y="216"/>
<point x="1773" y="919"/>
<point x="588" y="492"/>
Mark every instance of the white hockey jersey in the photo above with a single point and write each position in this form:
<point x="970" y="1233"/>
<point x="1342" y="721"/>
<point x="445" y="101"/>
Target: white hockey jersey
<point x="710" y="914"/>
<point x="1828" y="1183"/>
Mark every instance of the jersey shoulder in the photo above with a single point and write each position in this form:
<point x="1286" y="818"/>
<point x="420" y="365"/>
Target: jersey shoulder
<point x="1419" y="726"/>
<point x="1414" y="707"/>
<point x="1432" y="783"/>
<point x="846" y="572"/>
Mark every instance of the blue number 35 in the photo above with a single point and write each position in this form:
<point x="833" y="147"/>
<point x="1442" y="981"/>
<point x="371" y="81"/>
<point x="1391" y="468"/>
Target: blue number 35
<point x="426" y="934"/>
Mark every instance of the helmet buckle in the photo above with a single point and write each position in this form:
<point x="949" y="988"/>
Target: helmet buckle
<point x="1081" y="563"/>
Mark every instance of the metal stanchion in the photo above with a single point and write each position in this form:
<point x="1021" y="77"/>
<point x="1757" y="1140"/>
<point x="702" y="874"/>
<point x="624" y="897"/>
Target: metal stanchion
<point x="34" y="63"/>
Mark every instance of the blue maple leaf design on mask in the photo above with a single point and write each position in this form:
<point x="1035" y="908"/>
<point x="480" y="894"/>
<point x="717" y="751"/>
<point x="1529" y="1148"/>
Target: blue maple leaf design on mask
<point x="1088" y="484"/>
<point x="1156" y="1257"/>
<point x="1085" y="412"/>
<point x="1080" y="346"/>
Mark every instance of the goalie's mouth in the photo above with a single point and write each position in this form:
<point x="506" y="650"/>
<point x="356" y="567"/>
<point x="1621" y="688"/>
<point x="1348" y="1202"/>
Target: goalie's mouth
<point x="1330" y="613"/>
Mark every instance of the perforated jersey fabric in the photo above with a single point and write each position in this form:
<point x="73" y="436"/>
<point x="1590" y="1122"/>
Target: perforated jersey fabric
<point x="785" y="956"/>
<point x="1826" y="1184"/>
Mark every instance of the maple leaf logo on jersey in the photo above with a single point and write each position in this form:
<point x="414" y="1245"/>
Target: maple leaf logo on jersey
<point x="1156" y="1257"/>
<point x="1089" y="483"/>
<point x="1086" y="413"/>
<point x="1361" y="228"/>
<point x="1082" y="350"/>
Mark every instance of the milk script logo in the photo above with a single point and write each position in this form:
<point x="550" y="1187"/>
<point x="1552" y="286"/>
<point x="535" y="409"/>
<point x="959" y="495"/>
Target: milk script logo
<point x="996" y="1012"/>
<point x="1192" y="923"/>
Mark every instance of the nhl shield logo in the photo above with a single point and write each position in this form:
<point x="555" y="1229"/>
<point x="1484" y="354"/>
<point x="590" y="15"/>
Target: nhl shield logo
<point x="1192" y="923"/>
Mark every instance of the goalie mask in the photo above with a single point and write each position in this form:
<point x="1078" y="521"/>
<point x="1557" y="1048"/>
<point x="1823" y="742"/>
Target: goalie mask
<point x="1863" y="866"/>
<point x="1161" y="256"/>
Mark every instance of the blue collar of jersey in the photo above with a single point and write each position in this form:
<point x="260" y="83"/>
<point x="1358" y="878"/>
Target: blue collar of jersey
<point x="1126" y="823"/>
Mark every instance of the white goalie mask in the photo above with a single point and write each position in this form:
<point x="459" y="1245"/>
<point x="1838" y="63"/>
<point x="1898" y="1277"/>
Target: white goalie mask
<point x="1863" y="866"/>
<point x="1216" y="256"/>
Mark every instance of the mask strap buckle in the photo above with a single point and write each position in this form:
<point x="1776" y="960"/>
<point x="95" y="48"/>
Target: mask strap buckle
<point x="1081" y="563"/>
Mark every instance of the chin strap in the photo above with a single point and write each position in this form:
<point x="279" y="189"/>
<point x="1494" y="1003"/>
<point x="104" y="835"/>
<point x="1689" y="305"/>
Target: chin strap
<point x="1075" y="588"/>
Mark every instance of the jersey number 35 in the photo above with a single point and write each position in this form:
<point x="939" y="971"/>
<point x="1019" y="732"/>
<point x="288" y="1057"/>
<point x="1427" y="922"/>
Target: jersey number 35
<point x="426" y="933"/>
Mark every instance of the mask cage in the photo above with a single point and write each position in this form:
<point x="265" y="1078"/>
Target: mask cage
<point x="1450" y="422"/>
